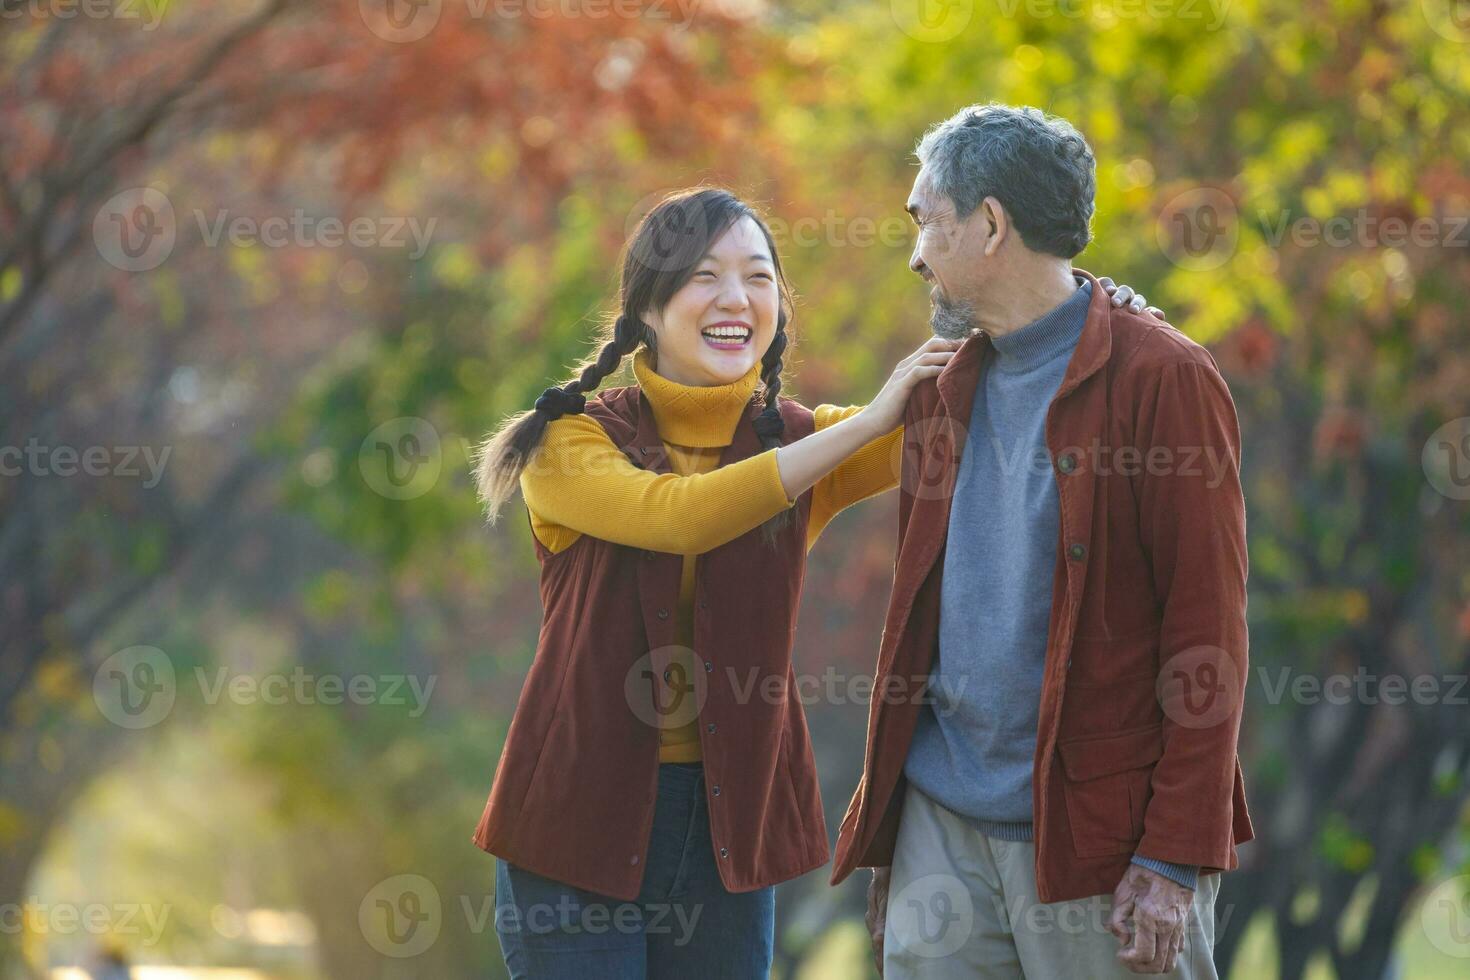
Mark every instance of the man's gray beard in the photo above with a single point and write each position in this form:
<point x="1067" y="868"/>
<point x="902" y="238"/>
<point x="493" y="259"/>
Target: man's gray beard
<point x="952" y="321"/>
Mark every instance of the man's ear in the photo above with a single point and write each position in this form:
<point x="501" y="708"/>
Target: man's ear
<point x="997" y="224"/>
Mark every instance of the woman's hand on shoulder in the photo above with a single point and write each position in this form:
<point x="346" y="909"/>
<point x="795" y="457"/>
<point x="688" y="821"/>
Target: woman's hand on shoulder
<point x="885" y="412"/>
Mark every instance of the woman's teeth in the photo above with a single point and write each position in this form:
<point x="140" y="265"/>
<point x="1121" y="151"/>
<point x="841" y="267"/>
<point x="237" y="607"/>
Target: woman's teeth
<point x="726" y="336"/>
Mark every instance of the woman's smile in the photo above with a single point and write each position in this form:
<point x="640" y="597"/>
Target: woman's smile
<point x="728" y="335"/>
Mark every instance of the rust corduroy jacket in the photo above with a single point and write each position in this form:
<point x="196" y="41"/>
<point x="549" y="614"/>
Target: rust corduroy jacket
<point x="574" y="793"/>
<point x="1146" y="646"/>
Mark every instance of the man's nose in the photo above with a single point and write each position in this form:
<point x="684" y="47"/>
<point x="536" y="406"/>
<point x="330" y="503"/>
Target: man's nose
<point x="917" y="264"/>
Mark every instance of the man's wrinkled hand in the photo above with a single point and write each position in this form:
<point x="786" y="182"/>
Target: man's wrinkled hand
<point x="1150" y="920"/>
<point x="877" y="915"/>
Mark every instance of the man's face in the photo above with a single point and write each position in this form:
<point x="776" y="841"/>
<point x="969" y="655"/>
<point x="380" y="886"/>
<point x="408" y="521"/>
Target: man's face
<point x="954" y="256"/>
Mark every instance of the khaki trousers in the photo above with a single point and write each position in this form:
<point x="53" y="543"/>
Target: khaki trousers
<point x="961" y="904"/>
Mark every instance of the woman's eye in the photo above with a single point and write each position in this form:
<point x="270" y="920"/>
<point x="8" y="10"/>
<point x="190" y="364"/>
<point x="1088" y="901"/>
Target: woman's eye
<point x="704" y="272"/>
<point x="763" y="275"/>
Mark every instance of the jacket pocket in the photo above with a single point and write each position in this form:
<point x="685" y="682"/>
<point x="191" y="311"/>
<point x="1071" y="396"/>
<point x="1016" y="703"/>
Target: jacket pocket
<point x="1107" y="788"/>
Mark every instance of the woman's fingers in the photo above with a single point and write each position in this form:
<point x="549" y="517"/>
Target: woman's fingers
<point x="929" y="362"/>
<point x="932" y="345"/>
<point x="938" y="344"/>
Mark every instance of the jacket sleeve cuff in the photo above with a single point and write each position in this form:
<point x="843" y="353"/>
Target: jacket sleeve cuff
<point x="1181" y="874"/>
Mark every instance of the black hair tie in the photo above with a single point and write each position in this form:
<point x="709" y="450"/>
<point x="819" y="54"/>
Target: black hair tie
<point x="556" y="402"/>
<point x="769" y="424"/>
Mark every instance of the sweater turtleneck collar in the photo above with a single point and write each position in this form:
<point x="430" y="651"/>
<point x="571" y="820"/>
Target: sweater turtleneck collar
<point x="1050" y="335"/>
<point x="694" y="415"/>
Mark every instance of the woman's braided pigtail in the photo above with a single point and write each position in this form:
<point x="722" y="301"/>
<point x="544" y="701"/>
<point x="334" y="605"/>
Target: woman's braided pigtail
<point x="769" y="425"/>
<point x="502" y="457"/>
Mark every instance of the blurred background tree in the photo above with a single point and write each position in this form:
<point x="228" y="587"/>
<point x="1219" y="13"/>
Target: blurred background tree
<point x="263" y="375"/>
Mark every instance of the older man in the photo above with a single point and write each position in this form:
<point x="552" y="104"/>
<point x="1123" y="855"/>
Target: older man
<point x="1070" y="593"/>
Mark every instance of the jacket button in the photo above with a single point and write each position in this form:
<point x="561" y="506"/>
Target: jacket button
<point x="1067" y="463"/>
<point x="1076" y="551"/>
<point x="724" y="852"/>
<point x="715" y="790"/>
<point x="663" y="614"/>
<point x="711" y="728"/>
<point x="708" y="667"/>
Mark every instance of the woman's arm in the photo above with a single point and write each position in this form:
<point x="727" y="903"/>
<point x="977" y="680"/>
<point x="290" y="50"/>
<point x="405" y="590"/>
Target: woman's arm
<point x="872" y="470"/>
<point x="577" y="482"/>
<point x="809" y="460"/>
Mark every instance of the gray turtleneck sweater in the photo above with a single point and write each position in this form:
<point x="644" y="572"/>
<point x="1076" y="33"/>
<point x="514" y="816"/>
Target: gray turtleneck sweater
<point x="973" y="748"/>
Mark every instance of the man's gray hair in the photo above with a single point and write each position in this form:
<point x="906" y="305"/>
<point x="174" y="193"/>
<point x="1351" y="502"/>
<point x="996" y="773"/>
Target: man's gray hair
<point x="1037" y="165"/>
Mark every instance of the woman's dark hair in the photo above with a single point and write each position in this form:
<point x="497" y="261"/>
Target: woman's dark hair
<point x="659" y="258"/>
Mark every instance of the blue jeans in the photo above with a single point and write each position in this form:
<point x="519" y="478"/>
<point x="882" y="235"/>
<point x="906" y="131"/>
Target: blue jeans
<point x="683" y="923"/>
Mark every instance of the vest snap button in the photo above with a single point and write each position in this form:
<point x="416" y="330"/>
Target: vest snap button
<point x="663" y="614"/>
<point x="708" y="666"/>
<point x="712" y="728"/>
<point x="668" y="675"/>
<point x="633" y="859"/>
<point x="724" y="852"/>
<point x="715" y="790"/>
<point x="1076" y="551"/>
<point x="1067" y="463"/>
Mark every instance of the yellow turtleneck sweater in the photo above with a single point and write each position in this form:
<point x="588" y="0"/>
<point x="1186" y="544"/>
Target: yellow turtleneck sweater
<point x="579" y="483"/>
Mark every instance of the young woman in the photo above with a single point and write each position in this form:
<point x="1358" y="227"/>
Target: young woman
<point x="657" y="779"/>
